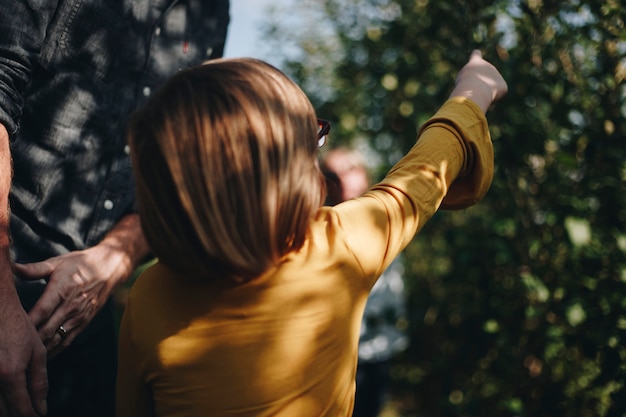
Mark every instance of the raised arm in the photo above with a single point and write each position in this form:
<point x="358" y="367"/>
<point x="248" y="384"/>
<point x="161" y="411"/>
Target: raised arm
<point x="449" y="167"/>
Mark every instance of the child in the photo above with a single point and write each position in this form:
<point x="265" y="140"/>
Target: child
<point x="255" y="305"/>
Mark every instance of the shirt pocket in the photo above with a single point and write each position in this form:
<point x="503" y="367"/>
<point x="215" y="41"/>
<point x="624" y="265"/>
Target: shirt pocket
<point x="86" y="37"/>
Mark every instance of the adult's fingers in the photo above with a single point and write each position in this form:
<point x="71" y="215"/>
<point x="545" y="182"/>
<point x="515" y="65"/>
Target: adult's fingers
<point x="16" y="399"/>
<point x="38" y="382"/>
<point x="64" y="338"/>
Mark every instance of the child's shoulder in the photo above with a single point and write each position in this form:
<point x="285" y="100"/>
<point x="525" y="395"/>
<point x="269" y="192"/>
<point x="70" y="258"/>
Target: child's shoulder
<point x="152" y="278"/>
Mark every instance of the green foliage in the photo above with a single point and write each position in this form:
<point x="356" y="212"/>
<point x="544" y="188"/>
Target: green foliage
<point x="517" y="304"/>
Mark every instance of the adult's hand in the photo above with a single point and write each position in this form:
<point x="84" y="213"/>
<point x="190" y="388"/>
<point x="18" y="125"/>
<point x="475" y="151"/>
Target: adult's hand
<point x="23" y="375"/>
<point x="80" y="282"/>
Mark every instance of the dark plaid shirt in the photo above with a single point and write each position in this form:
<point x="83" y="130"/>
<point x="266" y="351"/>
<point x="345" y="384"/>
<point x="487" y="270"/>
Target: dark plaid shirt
<point x="71" y="71"/>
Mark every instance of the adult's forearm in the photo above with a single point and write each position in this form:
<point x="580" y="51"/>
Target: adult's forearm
<point x="6" y="277"/>
<point x="128" y="238"/>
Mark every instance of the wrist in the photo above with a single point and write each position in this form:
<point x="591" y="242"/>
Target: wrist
<point x="479" y="93"/>
<point x="128" y="244"/>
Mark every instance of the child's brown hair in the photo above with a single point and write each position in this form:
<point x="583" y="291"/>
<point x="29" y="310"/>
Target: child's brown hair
<point x="225" y="161"/>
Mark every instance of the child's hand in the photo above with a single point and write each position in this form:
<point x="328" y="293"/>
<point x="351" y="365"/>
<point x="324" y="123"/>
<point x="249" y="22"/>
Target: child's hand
<point x="479" y="81"/>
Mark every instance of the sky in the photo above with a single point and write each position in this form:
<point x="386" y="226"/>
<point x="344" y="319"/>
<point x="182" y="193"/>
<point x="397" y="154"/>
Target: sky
<point x="245" y="18"/>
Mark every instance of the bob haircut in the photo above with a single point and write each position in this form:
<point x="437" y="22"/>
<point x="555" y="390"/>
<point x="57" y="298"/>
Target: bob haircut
<point x="225" y="161"/>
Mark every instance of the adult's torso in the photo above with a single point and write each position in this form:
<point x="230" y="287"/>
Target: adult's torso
<point x="99" y="60"/>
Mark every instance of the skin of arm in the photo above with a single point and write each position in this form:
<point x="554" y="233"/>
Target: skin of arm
<point x="23" y="375"/>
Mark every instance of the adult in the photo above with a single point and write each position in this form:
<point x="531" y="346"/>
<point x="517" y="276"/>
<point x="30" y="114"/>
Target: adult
<point x="70" y="73"/>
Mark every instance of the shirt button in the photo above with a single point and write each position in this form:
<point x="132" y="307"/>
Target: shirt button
<point x="146" y="91"/>
<point x="157" y="31"/>
<point x="209" y="51"/>
<point x="108" y="205"/>
<point x="127" y="149"/>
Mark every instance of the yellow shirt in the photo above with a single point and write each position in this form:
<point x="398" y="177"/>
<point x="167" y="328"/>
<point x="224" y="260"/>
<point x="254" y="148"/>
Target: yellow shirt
<point x="285" y="344"/>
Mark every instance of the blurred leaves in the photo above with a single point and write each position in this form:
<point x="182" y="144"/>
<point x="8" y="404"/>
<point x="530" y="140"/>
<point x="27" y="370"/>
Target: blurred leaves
<point x="518" y="304"/>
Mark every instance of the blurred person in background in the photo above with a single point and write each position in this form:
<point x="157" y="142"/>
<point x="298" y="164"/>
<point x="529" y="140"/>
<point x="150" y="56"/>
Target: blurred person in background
<point x="384" y="320"/>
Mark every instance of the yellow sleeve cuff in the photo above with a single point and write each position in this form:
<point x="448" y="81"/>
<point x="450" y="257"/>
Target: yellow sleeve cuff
<point x="476" y="175"/>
